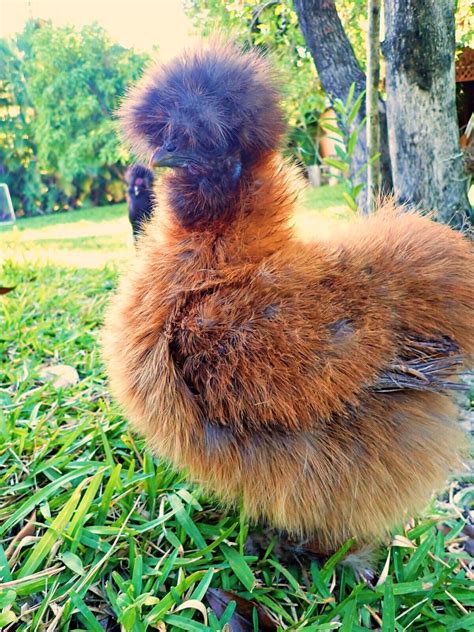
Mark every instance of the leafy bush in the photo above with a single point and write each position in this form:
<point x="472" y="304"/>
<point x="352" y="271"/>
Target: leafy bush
<point x="60" y="87"/>
<point x="346" y="132"/>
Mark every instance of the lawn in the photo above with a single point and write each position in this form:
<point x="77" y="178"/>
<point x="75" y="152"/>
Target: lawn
<point x="97" y="534"/>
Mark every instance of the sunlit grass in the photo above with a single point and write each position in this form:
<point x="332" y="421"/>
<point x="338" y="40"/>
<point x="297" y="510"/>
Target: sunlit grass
<point x="86" y="238"/>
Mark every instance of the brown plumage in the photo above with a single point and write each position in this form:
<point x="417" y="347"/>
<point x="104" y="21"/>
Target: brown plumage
<point x="307" y="381"/>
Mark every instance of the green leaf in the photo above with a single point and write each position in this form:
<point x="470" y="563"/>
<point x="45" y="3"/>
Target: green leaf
<point x="185" y="624"/>
<point x="73" y="562"/>
<point x="354" y="111"/>
<point x="342" y="154"/>
<point x="336" y="557"/>
<point x="350" y="615"/>
<point x="388" y="610"/>
<point x="7" y="598"/>
<point x="351" y="203"/>
<point x="27" y="507"/>
<point x="53" y="533"/>
<point x="185" y="521"/>
<point x="418" y="557"/>
<point x="79" y="518"/>
<point x="331" y="128"/>
<point x="239" y="566"/>
<point x="223" y="536"/>
<point x="113" y="485"/>
<point x="5" y="573"/>
<point x="200" y="591"/>
<point x="357" y="189"/>
<point x="339" y="108"/>
<point x="337" y="164"/>
<point x="85" y="614"/>
<point x="7" y="618"/>
<point x="289" y="577"/>
<point x="374" y="158"/>
<point x="351" y="145"/>
<point x="350" y="96"/>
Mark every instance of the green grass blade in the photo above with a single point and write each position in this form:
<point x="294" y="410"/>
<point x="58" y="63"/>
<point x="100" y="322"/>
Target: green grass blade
<point x="239" y="566"/>
<point x="53" y="533"/>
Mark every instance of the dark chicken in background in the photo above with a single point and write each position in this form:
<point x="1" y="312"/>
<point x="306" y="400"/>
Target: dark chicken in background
<point x="308" y="382"/>
<point x="139" y="181"/>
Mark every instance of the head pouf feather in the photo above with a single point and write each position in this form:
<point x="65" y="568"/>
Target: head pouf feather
<point x="221" y="106"/>
<point x="307" y="381"/>
<point x="218" y="96"/>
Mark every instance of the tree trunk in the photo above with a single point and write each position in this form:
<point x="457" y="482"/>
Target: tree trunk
<point x="338" y="69"/>
<point x="372" y="102"/>
<point x="427" y="165"/>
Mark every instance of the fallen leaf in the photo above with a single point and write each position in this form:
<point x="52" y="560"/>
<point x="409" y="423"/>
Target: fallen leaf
<point x="26" y="531"/>
<point x="60" y="375"/>
<point x="384" y="573"/>
<point x="197" y="605"/>
<point x="242" y="618"/>
<point x="401" y="540"/>
<point x="5" y="290"/>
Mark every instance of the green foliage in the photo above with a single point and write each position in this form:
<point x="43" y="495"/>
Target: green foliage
<point x="59" y="90"/>
<point x="464" y="23"/>
<point x="347" y="134"/>
<point x="100" y="535"/>
<point x="17" y="145"/>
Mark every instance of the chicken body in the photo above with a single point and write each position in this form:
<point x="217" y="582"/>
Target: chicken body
<point x="306" y="382"/>
<point x="252" y="361"/>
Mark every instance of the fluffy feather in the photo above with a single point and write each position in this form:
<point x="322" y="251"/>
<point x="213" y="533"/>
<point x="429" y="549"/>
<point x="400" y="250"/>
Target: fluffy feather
<point x="305" y="381"/>
<point x="210" y="96"/>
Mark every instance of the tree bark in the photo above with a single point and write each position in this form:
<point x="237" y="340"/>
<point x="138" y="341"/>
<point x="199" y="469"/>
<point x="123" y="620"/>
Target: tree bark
<point x="427" y="163"/>
<point x="338" y="69"/>
<point x="372" y="102"/>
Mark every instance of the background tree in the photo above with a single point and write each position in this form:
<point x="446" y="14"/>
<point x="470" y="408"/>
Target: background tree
<point x="427" y="162"/>
<point x="61" y="86"/>
<point x="335" y="34"/>
<point x="18" y="167"/>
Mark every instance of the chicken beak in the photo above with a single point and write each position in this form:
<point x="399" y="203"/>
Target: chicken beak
<point x="163" y="158"/>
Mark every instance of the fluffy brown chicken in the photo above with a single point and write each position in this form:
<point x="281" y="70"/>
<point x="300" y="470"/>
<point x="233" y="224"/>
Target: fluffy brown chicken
<point x="307" y="382"/>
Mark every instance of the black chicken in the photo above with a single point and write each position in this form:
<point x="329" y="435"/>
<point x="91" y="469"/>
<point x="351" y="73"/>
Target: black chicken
<point x="139" y="181"/>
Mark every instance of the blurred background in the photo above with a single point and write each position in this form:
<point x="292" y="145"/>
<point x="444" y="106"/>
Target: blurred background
<point x="64" y="66"/>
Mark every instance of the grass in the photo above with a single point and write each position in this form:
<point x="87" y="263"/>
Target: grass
<point x="86" y="238"/>
<point x="97" y="534"/>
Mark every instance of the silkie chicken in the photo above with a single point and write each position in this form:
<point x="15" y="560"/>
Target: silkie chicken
<point x="139" y="179"/>
<point x="307" y="383"/>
